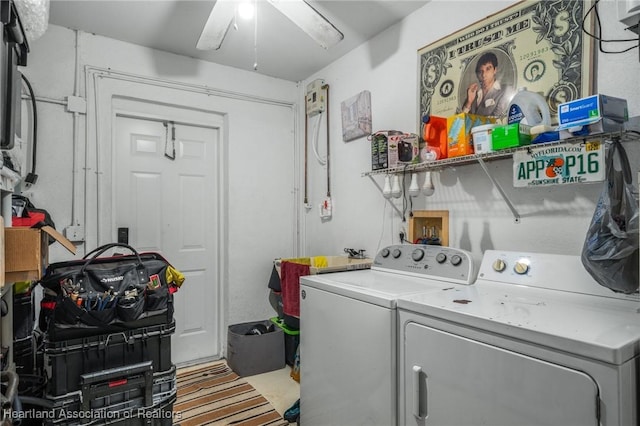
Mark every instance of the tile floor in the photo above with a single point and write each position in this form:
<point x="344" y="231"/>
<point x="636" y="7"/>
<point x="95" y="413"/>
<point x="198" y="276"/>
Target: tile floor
<point x="277" y="387"/>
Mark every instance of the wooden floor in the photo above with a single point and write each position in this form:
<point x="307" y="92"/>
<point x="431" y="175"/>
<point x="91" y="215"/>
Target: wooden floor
<point x="276" y="386"/>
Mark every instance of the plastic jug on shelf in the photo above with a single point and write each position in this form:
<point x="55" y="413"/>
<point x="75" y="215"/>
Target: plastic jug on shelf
<point x="529" y="108"/>
<point x="434" y="133"/>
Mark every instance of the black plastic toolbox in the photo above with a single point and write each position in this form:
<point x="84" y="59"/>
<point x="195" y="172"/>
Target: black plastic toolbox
<point x="130" y="395"/>
<point x="22" y="315"/>
<point x="24" y="355"/>
<point x="65" y="362"/>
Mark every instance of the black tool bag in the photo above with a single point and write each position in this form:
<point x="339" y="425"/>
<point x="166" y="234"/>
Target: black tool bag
<point x="106" y="294"/>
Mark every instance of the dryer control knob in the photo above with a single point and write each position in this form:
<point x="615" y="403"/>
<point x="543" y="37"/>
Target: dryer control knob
<point x="396" y="253"/>
<point x="521" y="268"/>
<point x="456" y="260"/>
<point x="441" y="257"/>
<point x="384" y="252"/>
<point x="417" y="254"/>
<point x="499" y="265"/>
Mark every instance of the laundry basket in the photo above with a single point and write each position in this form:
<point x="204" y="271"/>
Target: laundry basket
<point x="309" y="266"/>
<point x="255" y="347"/>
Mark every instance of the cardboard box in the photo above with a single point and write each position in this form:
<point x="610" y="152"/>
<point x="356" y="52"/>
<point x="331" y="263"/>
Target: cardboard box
<point x="510" y="136"/>
<point x="592" y="115"/>
<point x="404" y="148"/>
<point x="27" y="252"/>
<point x="459" y="132"/>
<point x="379" y="147"/>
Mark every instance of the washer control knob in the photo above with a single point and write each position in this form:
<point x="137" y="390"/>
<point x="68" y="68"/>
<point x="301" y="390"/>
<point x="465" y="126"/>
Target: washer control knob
<point x="441" y="257"/>
<point x="499" y="265"/>
<point x="456" y="260"/>
<point x="396" y="253"/>
<point x="384" y="252"/>
<point x="417" y="254"/>
<point x="521" y="268"/>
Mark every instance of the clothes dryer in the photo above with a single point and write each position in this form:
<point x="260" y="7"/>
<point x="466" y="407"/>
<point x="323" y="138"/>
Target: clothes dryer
<point x="535" y="341"/>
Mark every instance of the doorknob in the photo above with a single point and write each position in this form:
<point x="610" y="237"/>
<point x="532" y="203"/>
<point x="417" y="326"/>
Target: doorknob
<point x="123" y="235"/>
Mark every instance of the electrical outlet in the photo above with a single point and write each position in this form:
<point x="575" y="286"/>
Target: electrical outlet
<point x="74" y="234"/>
<point x="326" y="208"/>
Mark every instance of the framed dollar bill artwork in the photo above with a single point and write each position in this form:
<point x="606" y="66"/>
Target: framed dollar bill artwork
<point x="539" y="45"/>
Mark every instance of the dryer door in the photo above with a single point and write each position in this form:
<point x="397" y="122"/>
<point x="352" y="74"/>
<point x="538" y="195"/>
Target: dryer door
<point x="452" y="380"/>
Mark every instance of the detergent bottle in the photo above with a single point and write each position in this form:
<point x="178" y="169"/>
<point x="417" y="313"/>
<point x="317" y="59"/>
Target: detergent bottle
<point x="434" y="133"/>
<point x="529" y="108"/>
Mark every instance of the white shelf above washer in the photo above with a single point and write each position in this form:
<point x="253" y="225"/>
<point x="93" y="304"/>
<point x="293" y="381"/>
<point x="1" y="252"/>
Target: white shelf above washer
<point x="624" y="136"/>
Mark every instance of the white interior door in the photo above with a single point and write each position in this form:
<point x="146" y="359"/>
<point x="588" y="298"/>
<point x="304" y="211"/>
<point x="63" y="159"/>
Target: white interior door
<point x="170" y="206"/>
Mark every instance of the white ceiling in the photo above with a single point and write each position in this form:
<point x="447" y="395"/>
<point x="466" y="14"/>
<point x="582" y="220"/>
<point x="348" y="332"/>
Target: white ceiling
<point x="283" y="50"/>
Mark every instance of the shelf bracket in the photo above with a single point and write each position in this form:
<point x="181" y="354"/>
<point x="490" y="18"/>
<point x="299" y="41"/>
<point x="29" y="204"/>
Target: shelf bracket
<point x="380" y="189"/>
<point x="495" y="183"/>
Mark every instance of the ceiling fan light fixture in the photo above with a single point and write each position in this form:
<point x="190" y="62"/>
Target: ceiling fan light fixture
<point x="217" y="25"/>
<point x="246" y="10"/>
<point x="310" y="21"/>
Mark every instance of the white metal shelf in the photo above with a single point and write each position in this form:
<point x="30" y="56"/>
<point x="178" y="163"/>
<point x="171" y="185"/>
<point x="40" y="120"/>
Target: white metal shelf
<point x="503" y="153"/>
<point x="624" y="136"/>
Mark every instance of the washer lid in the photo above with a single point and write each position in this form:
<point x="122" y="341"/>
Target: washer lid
<point x="377" y="287"/>
<point x="594" y="327"/>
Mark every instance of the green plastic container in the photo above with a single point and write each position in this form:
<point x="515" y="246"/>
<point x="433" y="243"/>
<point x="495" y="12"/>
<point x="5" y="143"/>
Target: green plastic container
<point x="291" y="340"/>
<point x="510" y="136"/>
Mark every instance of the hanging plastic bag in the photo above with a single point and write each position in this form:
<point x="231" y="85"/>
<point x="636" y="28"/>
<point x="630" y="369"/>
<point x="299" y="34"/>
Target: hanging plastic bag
<point x="610" y="251"/>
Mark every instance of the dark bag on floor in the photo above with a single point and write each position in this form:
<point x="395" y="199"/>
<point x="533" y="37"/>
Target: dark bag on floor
<point x="101" y="291"/>
<point x="610" y="251"/>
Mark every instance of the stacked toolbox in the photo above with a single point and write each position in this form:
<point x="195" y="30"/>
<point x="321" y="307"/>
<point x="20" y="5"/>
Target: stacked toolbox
<point x="119" y="378"/>
<point x="118" y="372"/>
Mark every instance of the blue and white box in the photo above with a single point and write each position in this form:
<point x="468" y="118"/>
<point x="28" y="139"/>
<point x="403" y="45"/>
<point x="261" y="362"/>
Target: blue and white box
<point x="592" y="115"/>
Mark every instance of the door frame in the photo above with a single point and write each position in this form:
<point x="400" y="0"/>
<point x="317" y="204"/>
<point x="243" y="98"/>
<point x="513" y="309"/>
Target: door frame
<point x="100" y="151"/>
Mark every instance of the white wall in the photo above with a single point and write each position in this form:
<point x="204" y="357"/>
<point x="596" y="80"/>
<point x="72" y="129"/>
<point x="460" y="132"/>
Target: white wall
<point x="251" y="241"/>
<point x="554" y="219"/>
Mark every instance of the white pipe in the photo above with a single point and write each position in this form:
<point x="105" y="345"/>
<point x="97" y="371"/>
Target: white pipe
<point x="314" y="142"/>
<point x="187" y="87"/>
<point x="95" y="73"/>
<point x="97" y="156"/>
<point x="76" y="189"/>
<point x="46" y="100"/>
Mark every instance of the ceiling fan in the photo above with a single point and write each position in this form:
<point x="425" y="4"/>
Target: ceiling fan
<point x="299" y="12"/>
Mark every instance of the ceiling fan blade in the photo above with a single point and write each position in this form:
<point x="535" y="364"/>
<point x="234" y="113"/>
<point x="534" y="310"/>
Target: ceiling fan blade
<point x="310" y="21"/>
<point x="217" y="25"/>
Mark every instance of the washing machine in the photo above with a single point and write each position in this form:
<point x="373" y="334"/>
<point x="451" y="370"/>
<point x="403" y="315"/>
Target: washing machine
<point x="348" y="332"/>
<point x="535" y="341"/>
